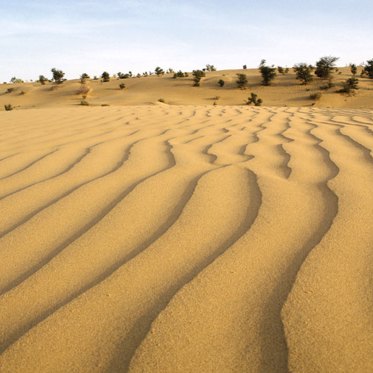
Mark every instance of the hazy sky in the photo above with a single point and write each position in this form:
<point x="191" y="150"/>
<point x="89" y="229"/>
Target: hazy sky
<point x="95" y="35"/>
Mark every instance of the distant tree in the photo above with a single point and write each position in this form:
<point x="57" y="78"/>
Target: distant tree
<point x="83" y="78"/>
<point x="58" y="75"/>
<point x="8" y="107"/>
<point x="325" y="67"/>
<point x="303" y="72"/>
<point x="42" y="79"/>
<point x="244" y="67"/>
<point x="158" y="71"/>
<point x="281" y="70"/>
<point x="242" y="81"/>
<point x="268" y="72"/>
<point x="221" y="83"/>
<point x="253" y="99"/>
<point x="210" y="68"/>
<point x="124" y="76"/>
<point x="353" y="69"/>
<point x="197" y="76"/>
<point x="105" y="76"/>
<point x="170" y="71"/>
<point x="180" y="74"/>
<point x="368" y="69"/>
<point x="16" y="80"/>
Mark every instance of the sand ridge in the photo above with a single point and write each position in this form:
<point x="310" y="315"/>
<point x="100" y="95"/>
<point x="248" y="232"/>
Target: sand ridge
<point x="186" y="239"/>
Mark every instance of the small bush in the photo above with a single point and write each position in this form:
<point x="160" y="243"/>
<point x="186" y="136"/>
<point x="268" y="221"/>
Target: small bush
<point x="105" y="76"/>
<point x="122" y="86"/>
<point x="158" y="71"/>
<point x="315" y="96"/>
<point x="325" y="67"/>
<point x="58" y="76"/>
<point x="303" y="72"/>
<point x="350" y="85"/>
<point x="327" y="86"/>
<point x="105" y="104"/>
<point x="242" y="81"/>
<point x="10" y="90"/>
<point x="84" y="103"/>
<point x="221" y="83"/>
<point x="268" y="72"/>
<point x="253" y="99"/>
<point x="210" y="68"/>
<point x="180" y="74"/>
<point x="244" y="67"/>
<point x="161" y="100"/>
<point x="368" y="69"/>
<point x="22" y="93"/>
<point x="83" y="78"/>
<point x="42" y="79"/>
<point x="197" y="76"/>
<point x="353" y="69"/>
<point x="8" y="107"/>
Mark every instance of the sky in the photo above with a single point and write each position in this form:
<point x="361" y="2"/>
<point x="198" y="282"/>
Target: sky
<point x="96" y="35"/>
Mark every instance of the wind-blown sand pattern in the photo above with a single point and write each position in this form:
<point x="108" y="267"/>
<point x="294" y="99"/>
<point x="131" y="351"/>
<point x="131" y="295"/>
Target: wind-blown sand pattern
<point x="186" y="239"/>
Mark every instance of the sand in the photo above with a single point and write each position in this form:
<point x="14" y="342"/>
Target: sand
<point x="186" y="238"/>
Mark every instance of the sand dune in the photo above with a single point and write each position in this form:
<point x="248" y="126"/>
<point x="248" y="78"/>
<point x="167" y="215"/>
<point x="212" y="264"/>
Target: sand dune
<point x="186" y="239"/>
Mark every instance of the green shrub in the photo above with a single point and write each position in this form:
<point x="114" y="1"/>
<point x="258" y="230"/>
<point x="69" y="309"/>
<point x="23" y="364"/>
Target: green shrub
<point x="368" y="69"/>
<point x="221" y="83"/>
<point x="210" y="68"/>
<point x="253" y="99"/>
<point x="105" y="76"/>
<point x="197" y="76"/>
<point x="325" y="67"/>
<point x="350" y="85"/>
<point x="42" y="79"/>
<point x="268" y="72"/>
<point x="303" y="72"/>
<point x="83" y="78"/>
<point x="8" y="107"/>
<point x="158" y="71"/>
<point x="353" y="69"/>
<point x="58" y="76"/>
<point x="242" y="81"/>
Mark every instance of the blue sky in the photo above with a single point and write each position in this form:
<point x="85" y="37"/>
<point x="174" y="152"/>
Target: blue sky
<point x="95" y="35"/>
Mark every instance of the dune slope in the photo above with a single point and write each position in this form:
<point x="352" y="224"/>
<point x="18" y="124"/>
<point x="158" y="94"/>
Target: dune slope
<point x="186" y="239"/>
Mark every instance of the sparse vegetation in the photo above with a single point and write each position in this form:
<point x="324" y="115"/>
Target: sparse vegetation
<point x="15" y="80"/>
<point x="83" y="78"/>
<point x="84" y="103"/>
<point x="221" y="83"/>
<point x="197" y="76"/>
<point x="42" y="79"/>
<point x="123" y="76"/>
<point x="58" y="76"/>
<point x="10" y="90"/>
<point x="350" y="85"/>
<point x="180" y="74"/>
<point x="242" y="81"/>
<point x="8" y="107"/>
<point x="315" y="96"/>
<point x="161" y="100"/>
<point x="122" y="86"/>
<point x="368" y="69"/>
<point x="268" y="72"/>
<point x="158" y="71"/>
<point x="253" y="99"/>
<point x="303" y="72"/>
<point x="325" y="67"/>
<point x="105" y="76"/>
<point x="353" y="69"/>
<point x="210" y="68"/>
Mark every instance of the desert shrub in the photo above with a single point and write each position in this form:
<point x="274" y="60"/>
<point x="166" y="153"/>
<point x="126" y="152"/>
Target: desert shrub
<point x="123" y="76"/>
<point x="242" y="81"/>
<point x="122" y="86"/>
<point x="58" y="76"/>
<point x="180" y="74"/>
<point x="325" y="67"/>
<point x="161" y="100"/>
<point x="84" y="103"/>
<point x="353" y="69"/>
<point x="268" y="72"/>
<point x="42" y="79"/>
<point x="368" y="69"/>
<point x="83" y="78"/>
<point x="10" y="90"/>
<point x="315" y="96"/>
<point x="22" y="93"/>
<point x="281" y="70"/>
<point x="350" y="85"/>
<point x="8" y="107"/>
<point x="244" y="67"/>
<point x="138" y="75"/>
<point x="16" y="80"/>
<point x="105" y="76"/>
<point x="158" y="71"/>
<point x="327" y="86"/>
<point x="210" y="68"/>
<point x="303" y="72"/>
<point x="221" y="82"/>
<point x="105" y="104"/>
<point x="197" y="76"/>
<point x="253" y="99"/>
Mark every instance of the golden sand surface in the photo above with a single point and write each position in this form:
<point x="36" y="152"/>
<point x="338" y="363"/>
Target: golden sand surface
<point x="186" y="239"/>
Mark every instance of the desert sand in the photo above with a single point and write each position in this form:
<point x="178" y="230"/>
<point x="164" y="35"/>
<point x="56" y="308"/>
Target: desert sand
<point x="162" y="238"/>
